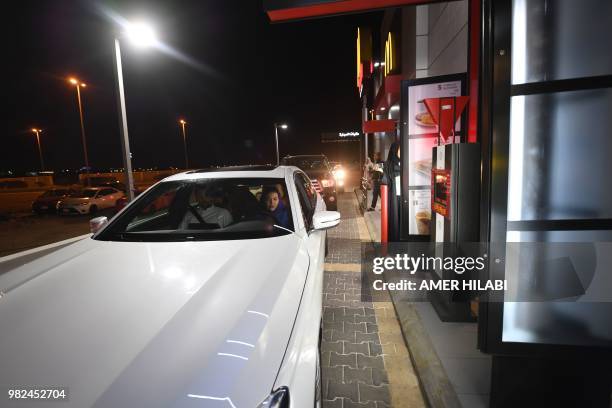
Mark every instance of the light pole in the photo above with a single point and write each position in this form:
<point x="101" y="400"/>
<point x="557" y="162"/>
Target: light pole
<point x="141" y="35"/>
<point x="183" y="123"/>
<point x="78" y="86"/>
<point x="40" y="156"/>
<point x="276" y="126"/>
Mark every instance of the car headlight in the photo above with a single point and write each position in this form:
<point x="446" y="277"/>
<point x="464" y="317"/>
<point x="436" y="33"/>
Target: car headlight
<point x="327" y="183"/>
<point x="276" y="399"/>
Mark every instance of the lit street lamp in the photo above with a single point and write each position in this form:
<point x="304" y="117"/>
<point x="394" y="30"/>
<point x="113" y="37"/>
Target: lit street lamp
<point x="40" y="156"/>
<point x="141" y="35"/>
<point x="78" y="86"/>
<point x="183" y="123"/>
<point x="276" y="126"/>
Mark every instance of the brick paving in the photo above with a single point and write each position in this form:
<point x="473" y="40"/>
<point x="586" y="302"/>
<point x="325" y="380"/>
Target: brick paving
<point x="358" y="370"/>
<point x="353" y="370"/>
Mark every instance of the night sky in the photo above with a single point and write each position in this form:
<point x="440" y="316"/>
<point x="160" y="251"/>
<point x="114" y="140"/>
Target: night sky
<point x="245" y="73"/>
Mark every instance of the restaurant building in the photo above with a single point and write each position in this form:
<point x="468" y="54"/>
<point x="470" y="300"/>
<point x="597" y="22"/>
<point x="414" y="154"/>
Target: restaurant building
<point x="526" y="90"/>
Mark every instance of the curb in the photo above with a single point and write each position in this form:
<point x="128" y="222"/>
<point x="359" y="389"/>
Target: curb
<point x="433" y="380"/>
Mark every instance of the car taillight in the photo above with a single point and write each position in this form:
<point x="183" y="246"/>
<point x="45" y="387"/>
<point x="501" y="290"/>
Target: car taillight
<point x="327" y="183"/>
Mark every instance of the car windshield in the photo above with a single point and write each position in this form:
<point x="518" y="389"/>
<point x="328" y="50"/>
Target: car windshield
<point x="54" y="193"/>
<point x="310" y="163"/>
<point x="84" y="193"/>
<point x="205" y="209"/>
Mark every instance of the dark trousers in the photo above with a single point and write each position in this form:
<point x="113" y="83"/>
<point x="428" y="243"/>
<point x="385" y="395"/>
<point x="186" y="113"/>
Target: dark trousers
<point x="375" y="192"/>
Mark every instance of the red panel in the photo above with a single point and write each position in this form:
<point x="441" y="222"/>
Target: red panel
<point x="337" y="7"/>
<point x="388" y="93"/>
<point x="384" y="211"/>
<point x="383" y="125"/>
<point x="474" y="27"/>
<point x="441" y="111"/>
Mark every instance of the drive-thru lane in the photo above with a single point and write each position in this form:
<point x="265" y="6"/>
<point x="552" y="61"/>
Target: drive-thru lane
<point x="365" y="362"/>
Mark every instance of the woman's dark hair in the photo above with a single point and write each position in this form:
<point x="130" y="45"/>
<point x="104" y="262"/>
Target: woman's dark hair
<point x="267" y="190"/>
<point x="392" y="156"/>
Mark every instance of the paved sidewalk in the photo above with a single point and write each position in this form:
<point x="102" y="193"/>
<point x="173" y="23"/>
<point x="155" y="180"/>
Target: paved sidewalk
<point x="364" y="360"/>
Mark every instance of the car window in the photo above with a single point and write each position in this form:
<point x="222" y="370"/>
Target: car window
<point x="85" y="193"/>
<point x="206" y="209"/>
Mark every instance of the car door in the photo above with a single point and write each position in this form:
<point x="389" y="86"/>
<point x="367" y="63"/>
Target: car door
<point x="311" y="202"/>
<point x="105" y="198"/>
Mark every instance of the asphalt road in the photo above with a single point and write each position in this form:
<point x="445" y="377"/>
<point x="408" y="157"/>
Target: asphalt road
<point x="21" y="233"/>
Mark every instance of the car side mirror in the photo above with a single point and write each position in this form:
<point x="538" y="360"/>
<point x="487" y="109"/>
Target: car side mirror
<point x="96" y="224"/>
<point x="322" y="220"/>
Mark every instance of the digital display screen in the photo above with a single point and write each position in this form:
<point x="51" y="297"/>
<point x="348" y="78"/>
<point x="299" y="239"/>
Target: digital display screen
<point x="440" y="191"/>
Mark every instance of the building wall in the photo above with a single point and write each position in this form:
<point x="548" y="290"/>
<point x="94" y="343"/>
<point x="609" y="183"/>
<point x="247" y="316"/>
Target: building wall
<point x="441" y="38"/>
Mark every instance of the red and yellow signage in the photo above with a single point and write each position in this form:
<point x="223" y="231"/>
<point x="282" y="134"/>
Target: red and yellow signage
<point x="364" y="55"/>
<point x="390" y="54"/>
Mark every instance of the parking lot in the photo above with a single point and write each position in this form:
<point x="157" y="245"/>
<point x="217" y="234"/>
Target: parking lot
<point x="25" y="232"/>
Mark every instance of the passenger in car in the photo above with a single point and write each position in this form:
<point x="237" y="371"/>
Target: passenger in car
<point x="271" y="200"/>
<point x="209" y="209"/>
<point x="281" y="194"/>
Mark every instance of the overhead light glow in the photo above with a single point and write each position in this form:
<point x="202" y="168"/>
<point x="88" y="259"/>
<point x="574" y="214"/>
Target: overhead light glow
<point x="395" y="108"/>
<point x="141" y="34"/>
<point x="283" y="126"/>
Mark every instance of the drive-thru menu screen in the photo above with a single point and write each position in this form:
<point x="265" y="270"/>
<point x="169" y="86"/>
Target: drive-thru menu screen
<point x="422" y="134"/>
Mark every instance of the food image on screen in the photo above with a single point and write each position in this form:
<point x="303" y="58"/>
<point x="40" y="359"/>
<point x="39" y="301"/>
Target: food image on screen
<point x="423" y="167"/>
<point x="424" y="119"/>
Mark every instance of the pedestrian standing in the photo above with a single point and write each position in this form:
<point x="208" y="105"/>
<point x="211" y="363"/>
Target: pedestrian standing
<point x="391" y="178"/>
<point x="376" y="173"/>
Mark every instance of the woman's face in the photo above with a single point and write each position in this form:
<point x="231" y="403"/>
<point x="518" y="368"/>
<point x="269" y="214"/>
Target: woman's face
<point x="272" y="201"/>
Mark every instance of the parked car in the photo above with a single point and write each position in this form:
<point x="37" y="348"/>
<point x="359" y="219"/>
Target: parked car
<point x="47" y="201"/>
<point x="114" y="184"/>
<point x="89" y="201"/>
<point x="320" y="172"/>
<point x="205" y="300"/>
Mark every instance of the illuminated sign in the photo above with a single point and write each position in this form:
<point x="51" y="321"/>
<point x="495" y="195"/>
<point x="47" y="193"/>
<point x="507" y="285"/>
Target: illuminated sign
<point x="364" y="55"/>
<point x="339" y="137"/>
<point x="348" y="134"/>
<point x="390" y="54"/>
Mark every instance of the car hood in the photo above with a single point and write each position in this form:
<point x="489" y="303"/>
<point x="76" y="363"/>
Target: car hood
<point x="317" y="174"/>
<point x="153" y="324"/>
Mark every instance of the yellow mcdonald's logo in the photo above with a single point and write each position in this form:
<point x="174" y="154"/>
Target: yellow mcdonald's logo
<point x="390" y="57"/>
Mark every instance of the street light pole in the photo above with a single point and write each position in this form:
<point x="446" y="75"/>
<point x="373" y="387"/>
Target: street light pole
<point x="276" y="136"/>
<point x="183" y="123"/>
<point x="40" y="156"/>
<point x="78" y="88"/>
<point x="125" y="142"/>
<point x="282" y="126"/>
<point x="80" y="85"/>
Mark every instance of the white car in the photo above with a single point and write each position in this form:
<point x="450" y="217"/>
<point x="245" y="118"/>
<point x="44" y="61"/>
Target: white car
<point x="89" y="200"/>
<point x="197" y="294"/>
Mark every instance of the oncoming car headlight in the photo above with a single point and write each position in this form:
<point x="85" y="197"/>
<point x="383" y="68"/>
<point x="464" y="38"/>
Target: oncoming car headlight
<point x="327" y="183"/>
<point x="277" y="399"/>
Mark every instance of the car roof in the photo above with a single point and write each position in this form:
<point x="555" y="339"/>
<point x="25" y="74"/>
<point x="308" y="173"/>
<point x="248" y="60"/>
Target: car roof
<point x="257" y="171"/>
<point x="306" y="156"/>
